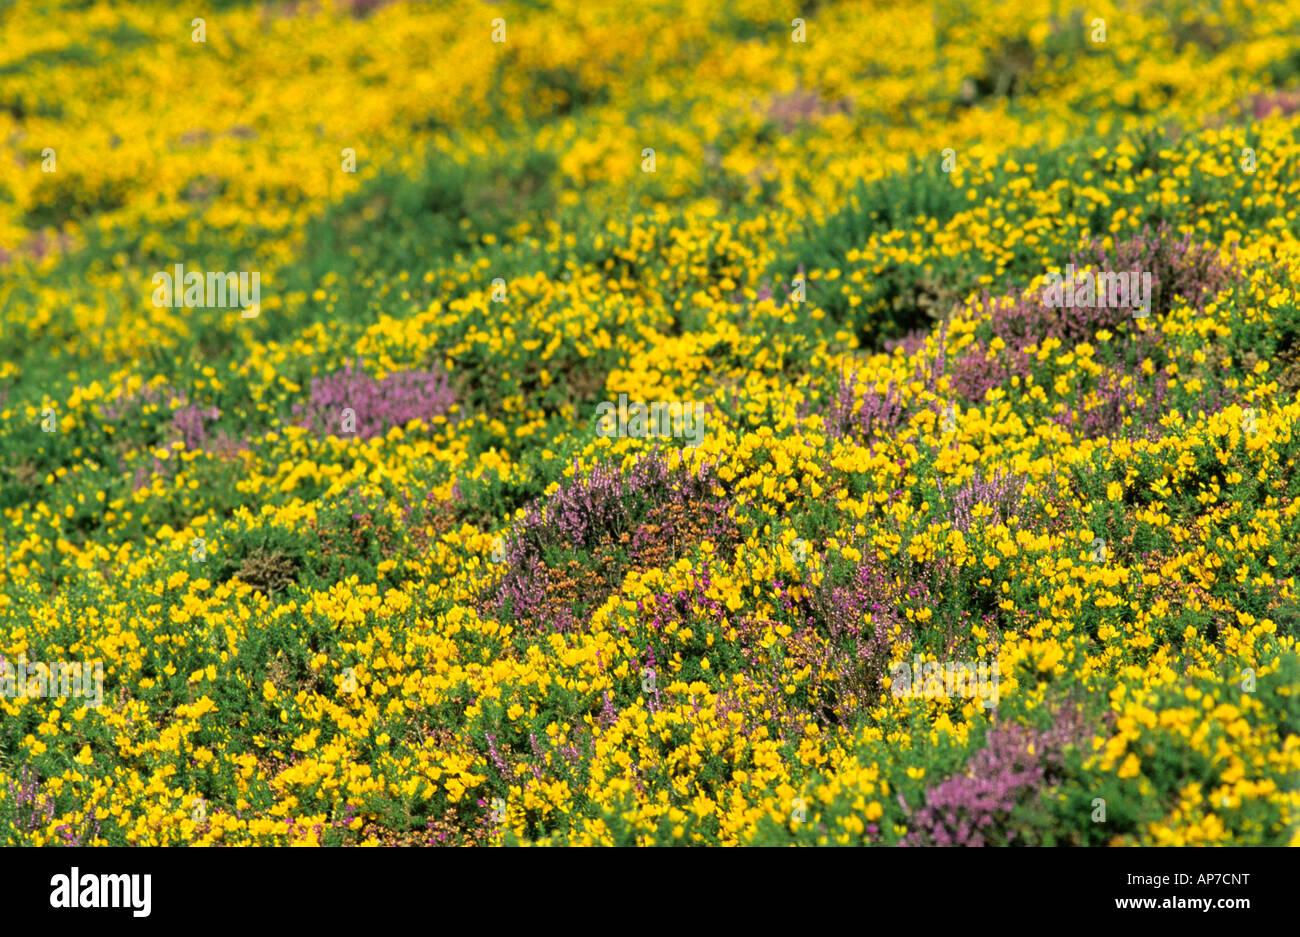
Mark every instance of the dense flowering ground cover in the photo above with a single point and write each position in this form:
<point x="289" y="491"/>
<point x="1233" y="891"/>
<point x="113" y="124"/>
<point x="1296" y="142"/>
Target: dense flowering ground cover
<point x="364" y="567"/>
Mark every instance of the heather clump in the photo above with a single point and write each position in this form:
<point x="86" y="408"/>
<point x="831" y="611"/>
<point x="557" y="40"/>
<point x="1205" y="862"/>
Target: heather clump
<point x="604" y="501"/>
<point x="579" y="542"/>
<point x="802" y="106"/>
<point x="845" y="624"/>
<point x="159" y="415"/>
<point x="1124" y="403"/>
<point x="977" y="371"/>
<point x="993" y="500"/>
<point x="32" y="808"/>
<point x="992" y="802"/>
<point x="190" y="421"/>
<point x="350" y="401"/>
<point x="875" y="415"/>
<point x="1276" y="102"/>
<point x="1178" y="268"/>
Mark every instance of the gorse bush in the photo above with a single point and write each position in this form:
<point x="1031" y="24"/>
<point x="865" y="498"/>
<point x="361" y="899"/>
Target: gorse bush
<point x="987" y="535"/>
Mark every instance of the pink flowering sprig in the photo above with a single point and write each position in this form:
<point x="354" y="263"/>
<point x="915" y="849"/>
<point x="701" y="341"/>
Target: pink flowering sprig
<point x="497" y="761"/>
<point x="539" y="758"/>
<point x="33" y="808"/>
<point x="652" y="664"/>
